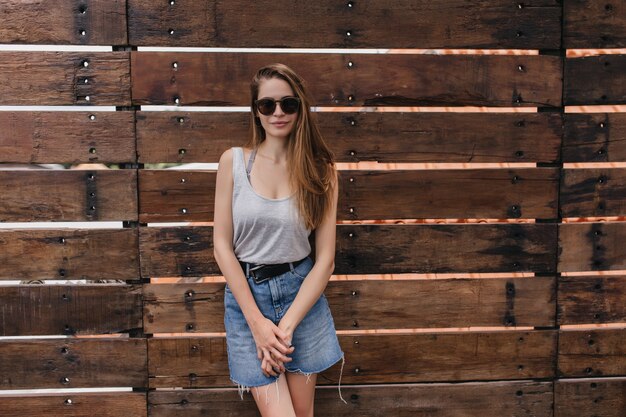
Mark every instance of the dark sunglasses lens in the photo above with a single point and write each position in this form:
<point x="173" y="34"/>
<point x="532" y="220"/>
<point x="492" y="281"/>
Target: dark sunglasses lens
<point x="290" y="105"/>
<point x="266" y="106"/>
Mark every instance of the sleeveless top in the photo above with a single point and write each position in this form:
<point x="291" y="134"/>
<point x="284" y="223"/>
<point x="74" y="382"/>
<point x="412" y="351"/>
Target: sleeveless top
<point x="265" y="230"/>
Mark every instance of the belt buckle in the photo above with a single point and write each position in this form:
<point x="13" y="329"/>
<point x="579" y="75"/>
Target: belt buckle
<point x="256" y="279"/>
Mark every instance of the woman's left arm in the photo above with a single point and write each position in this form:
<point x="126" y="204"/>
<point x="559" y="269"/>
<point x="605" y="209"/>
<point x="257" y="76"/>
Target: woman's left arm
<point x="317" y="279"/>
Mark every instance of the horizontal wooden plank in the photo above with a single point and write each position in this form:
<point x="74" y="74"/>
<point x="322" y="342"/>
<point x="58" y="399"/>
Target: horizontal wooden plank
<point x="91" y="254"/>
<point x="67" y="137"/>
<point x="454" y="356"/>
<point x="590" y="396"/>
<point x="68" y="195"/>
<point x="487" y="399"/>
<point x="73" y="363"/>
<point x="364" y="136"/>
<point x="593" y="24"/>
<point x="177" y="195"/>
<point x="597" y="352"/>
<point x="592" y="246"/>
<point x="595" y="80"/>
<point x="594" y="137"/>
<point x="592" y="299"/>
<point x="330" y="24"/>
<point x="376" y="249"/>
<point x="101" y="404"/>
<point x="373" y="304"/>
<point x="70" y="309"/>
<point x="593" y="192"/>
<point x="48" y="22"/>
<point x="342" y="79"/>
<point x="63" y="78"/>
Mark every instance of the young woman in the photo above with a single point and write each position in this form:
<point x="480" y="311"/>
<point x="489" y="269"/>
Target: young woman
<point x="269" y="196"/>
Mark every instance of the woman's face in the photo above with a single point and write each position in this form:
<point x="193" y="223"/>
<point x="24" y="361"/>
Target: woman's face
<point x="278" y="124"/>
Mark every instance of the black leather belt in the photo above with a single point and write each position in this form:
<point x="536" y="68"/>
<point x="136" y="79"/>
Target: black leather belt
<point x="261" y="272"/>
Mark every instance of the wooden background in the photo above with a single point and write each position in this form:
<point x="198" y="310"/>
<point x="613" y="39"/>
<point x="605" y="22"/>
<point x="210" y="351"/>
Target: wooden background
<point x="480" y="263"/>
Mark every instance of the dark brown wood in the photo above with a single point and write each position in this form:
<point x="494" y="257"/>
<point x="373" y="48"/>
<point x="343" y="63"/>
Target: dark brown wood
<point x="364" y="136"/>
<point x="104" y="404"/>
<point x="376" y="249"/>
<point x="90" y="254"/>
<point x="73" y="363"/>
<point x="592" y="396"/>
<point x="595" y="80"/>
<point x="67" y="137"/>
<point x="514" y="398"/>
<point x="374" y="304"/>
<point x="594" y="24"/>
<point x="70" y="309"/>
<point x="592" y="246"/>
<point x="597" y="352"/>
<point x="420" y="357"/>
<point x="593" y="192"/>
<point x="594" y="137"/>
<point x="342" y="79"/>
<point x="592" y="299"/>
<point x="58" y="78"/>
<point x="53" y="22"/>
<point x="327" y="23"/>
<point x="66" y="195"/>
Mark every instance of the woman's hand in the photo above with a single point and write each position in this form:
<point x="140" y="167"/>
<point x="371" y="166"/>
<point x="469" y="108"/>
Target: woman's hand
<point x="272" y="345"/>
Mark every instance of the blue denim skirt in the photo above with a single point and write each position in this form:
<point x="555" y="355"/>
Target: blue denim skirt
<point x="315" y="339"/>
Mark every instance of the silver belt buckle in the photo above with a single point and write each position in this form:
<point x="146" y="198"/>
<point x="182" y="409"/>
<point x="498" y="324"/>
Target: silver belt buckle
<point x="254" y="277"/>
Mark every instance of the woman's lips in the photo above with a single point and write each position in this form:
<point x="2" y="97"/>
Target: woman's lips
<point x="279" y="124"/>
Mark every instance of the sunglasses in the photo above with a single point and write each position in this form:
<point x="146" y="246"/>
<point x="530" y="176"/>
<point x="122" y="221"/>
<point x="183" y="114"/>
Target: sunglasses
<point x="266" y="106"/>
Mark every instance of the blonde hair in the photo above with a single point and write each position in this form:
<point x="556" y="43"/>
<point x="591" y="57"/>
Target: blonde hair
<point x="310" y="162"/>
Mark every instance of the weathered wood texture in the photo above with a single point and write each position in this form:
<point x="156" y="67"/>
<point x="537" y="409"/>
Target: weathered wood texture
<point x="73" y="363"/>
<point x="332" y="24"/>
<point x="410" y="80"/>
<point x="592" y="246"/>
<point x="595" y="80"/>
<point x="374" y="304"/>
<point x="594" y="137"/>
<point x="594" y="24"/>
<point x="592" y="299"/>
<point x="420" y="357"/>
<point x="364" y="136"/>
<point x="101" y="22"/>
<point x="587" y="353"/>
<point x="593" y="192"/>
<point x="61" y="78"/>
<point x="68" y="195"/>
<point x="376" y="249"/>
<point x="69" y="309"/>
<point x="514" y="398"/>
<point x="101" y="404"/>
<point x="91" y="254"/>
<point x="175" y="195"/>
<point x="590" y="396"/>
<point x="37" y="137"/>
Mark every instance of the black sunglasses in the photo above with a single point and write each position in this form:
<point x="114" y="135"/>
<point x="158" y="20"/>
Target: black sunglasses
<point x="266" y="106"/>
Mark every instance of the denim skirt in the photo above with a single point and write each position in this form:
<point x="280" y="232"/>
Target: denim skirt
<point x="315" y="339"/>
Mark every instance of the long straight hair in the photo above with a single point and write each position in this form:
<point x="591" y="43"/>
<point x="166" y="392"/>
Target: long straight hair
<point x="310" y="162"/>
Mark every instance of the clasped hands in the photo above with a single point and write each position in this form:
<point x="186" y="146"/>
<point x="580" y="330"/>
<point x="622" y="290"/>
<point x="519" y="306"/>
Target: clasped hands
<point x="273" y="344"/>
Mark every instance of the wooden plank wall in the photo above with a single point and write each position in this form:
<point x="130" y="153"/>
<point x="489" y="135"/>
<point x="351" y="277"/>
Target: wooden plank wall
<point x="510" y="257"/>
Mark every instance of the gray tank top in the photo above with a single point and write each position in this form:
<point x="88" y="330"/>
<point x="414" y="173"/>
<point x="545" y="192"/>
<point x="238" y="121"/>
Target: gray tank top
<point x="265" y="230"/>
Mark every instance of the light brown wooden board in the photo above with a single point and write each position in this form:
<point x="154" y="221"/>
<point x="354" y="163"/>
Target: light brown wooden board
<point x="70" y="309"/>
<point x="376" y="249"/>
<point x="68" y="195"/>
<point x="73" y="363"/>
<point x="37" y="137"/>
<point x="91" y="254"/>
<point x="484" y="399"/>
<point x="594" y="137"/>
<point x="592" y="299"/>
<point x="364" y="136"/>
<point x="595" y="80"/>
<point x="44" y="78"/>
<point x="592" y="246"/>
<point x="594" y="24"/>
<point x="178" y="195"/>
<point x="593" y="192"/>
<point x="447" y="356"/>
<point x="589" y="353"/>
<point x="373" y="304"/>
<point x="223" y="79"/>
<point x="590" y="396"/>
